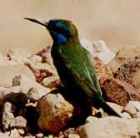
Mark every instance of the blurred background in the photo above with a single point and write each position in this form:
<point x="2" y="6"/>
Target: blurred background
<point x="117" y="22"/>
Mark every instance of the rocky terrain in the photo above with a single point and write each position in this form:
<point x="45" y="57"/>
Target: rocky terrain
<point x="32" y="105"/>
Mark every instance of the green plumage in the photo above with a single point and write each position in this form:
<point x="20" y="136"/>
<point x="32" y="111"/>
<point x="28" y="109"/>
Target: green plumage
<point x="74" y="67"/>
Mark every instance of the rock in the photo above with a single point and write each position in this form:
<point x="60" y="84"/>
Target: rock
<point x="136" y="104"/>
<point x="73" y="136"/>
<point x="8" y="72"/>
<point x="67" y="132"/>
<point x="129" y="71"/>
<point x="102" y="70"/>
<point x="51" y="82"/>
<point x="31" y="88"/>
<point x="91" y="119"/>
<point x="119" y="92"/>
<point x="19" y="122"/>
<point x="30" y="136"/>
<point x="7" y="116"/>
<point x="55" y="112"/>
<point x="4" y="135"/>
<point x="98" y="49"/>
<point x="126" y="115"/>
<point x="110" y="127"/>
<point x="21" y="131"/>
<point x="4" y="92"/>
<point x="34" y="94"/>
<point x="19" y="55"/>
<point x="88" y="46"/>
<point x="131" y="109"/>
<point x="103" y="52"/>
<point x="40" y="135"/>
<point x="15" y="134"/>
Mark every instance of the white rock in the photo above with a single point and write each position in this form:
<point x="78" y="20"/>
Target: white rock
<point x="73" y="136"/>
<point x="136" y="104"/>
<point x="98" y="49"/>
<point x="91" y="119"/>
<point x="111" y="127"/>
<point x="15" y="134"/>
<point x="7" y="116"/>
<point x="88" y="45"/>
<point x="8" y="72"/>
<point x="28" y="86"/>
<point x="131" y="108"/>
<point x="103" y="52"/>
<point x="19" y="122"/>
<point x="4" y="135"/>
<point x="126" y="115"/>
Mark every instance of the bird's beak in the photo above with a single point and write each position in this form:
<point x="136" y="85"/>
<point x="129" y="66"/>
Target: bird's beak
<point x="37" y="21"/>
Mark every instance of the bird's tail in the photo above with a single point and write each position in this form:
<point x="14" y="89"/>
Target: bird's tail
<point x="108" y="109"/>
<point x="100" y="102"/>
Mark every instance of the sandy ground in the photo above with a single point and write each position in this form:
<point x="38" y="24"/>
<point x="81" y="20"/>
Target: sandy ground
<point x="114" y="21"/>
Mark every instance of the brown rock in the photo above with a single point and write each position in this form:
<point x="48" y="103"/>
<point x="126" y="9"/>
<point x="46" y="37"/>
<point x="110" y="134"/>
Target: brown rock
<point x="55" y="112"/>
<point x="130" y="71"/>
<point x="102" y="70"/>
<point x="119" y="92"/>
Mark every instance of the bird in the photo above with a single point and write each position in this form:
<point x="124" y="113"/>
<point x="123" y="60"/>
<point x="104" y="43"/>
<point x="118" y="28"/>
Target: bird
<point x="74" y="67"/>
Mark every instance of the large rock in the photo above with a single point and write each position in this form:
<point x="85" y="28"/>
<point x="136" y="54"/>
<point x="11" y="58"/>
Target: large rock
<point x="119" y="92"/>
<point x="55" y="112"/>
<point x="30" y="87"/>
<point x="8" y="72"/>
<point x="111" y="127"/>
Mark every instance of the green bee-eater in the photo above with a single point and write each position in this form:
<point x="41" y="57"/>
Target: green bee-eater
<point x="73" y="64"/>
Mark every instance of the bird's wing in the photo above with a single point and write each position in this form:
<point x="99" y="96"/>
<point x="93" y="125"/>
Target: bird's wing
<point x="76" y="60"/>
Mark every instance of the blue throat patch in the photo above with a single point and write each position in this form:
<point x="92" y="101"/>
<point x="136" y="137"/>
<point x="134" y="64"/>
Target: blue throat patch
<point x="60" y="39"/>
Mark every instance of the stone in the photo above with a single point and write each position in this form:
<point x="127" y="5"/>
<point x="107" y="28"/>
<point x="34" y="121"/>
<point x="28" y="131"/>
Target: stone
<point x="7" y="116"/>
<point x="126" y="115"/>
<point x="55" y="112"/>
<point x="31" y="88"/>
<point x="103" y="52"/>
<point x="8" y="72"/>
<point x="19" y="122"/>
<point x="91" y="119"/>
<point x="73" y="136"/>
<point x="21" y="131"/>
<point x="110" y="127"/>
<point x="131" y="109"/>
<point x="39" y="135"/>
<point x="4" y="92"/>
<point x="102" y="70"/>
<point x="4" y="135"/>
<point x="119" y="92"/>
<point x="136" y="104"/>
<point x="15" y="134"/>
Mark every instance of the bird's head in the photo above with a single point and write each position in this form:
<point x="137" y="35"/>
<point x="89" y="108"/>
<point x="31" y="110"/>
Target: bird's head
<point x="61" y="30"/>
